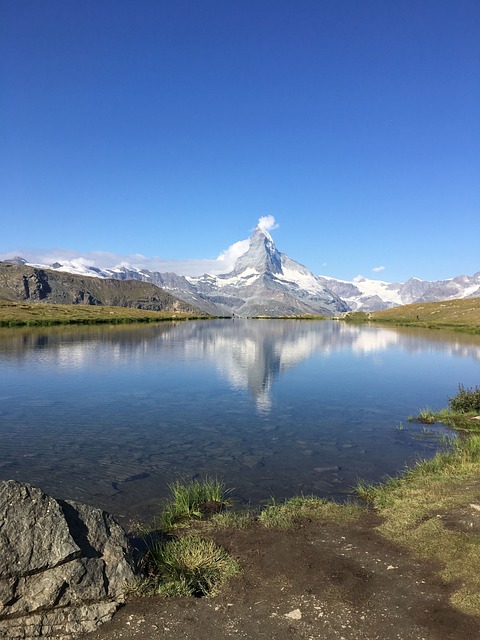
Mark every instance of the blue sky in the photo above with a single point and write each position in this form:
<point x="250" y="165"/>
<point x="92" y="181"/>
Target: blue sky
<point x="168" y="128"/>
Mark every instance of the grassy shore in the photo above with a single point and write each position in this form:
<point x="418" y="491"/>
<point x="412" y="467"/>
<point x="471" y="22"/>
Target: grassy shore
<point x="457" y="315"/>
<point x="19" y="314"/>
<point x="432" y="511"/>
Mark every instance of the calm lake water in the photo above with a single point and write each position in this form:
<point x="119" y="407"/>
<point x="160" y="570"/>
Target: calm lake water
<point x="112" y="415"/>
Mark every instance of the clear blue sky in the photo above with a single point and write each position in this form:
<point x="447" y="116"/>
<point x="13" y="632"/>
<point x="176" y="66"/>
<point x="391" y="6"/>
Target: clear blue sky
<point x="167" y="128"/>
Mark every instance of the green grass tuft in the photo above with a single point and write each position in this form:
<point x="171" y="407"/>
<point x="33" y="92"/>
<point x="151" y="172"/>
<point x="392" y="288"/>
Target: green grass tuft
<point x="193" y="499"/>
<point x="427" y="416"/>
<point x="232" y="520"/>
<point x="189" y="566"/>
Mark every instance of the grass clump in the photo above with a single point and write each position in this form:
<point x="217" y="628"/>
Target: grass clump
<point x="426" y="416"/>
<point x="193" y="500"/>
<point x="376" y="494"/>
<point x="232" y="520"/>
<point x="188" y="566"/>
<point x="292" y="511"/>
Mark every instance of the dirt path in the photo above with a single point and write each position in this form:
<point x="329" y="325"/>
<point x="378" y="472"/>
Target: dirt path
<point x="317" y="581"/>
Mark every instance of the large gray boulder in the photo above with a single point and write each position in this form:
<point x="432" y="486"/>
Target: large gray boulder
<point x="64" y="566"/>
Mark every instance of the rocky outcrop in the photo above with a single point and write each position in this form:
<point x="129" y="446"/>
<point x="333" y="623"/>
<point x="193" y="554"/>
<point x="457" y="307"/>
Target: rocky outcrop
<point x="64" y="566"/>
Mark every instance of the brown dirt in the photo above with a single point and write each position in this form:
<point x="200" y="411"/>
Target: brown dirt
<point x="315" y="581"/>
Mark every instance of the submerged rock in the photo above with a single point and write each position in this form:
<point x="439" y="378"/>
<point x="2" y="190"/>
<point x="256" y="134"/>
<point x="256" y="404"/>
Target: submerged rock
<point x="64" y="566"/>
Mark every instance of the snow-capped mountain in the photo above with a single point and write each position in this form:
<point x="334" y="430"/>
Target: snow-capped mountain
<point x="363" y="294"/>
<point x="265" y="282"/>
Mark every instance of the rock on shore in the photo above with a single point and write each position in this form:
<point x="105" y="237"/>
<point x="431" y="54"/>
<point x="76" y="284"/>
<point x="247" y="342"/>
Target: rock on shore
<point x="64" y="566"/>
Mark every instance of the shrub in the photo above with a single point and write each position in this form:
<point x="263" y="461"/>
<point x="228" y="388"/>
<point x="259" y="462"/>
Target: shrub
<point x="466" y="400"/>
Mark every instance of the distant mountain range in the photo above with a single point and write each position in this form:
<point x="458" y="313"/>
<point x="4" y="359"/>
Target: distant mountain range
<point x="373" y="295"/>
<point x="266" y="282"/>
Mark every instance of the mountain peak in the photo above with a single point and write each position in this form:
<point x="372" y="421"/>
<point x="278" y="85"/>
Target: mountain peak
<point x="259" y="232"/>
<point x="262" y="254"/>
<point x="16" y="260"/>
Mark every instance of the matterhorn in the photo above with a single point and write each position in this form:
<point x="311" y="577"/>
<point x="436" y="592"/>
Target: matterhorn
<point x="263" y="282"/>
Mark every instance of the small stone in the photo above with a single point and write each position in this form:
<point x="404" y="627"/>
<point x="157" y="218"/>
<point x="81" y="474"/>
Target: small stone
<point x="296" y="614"/>
<point x="327" y="469"/>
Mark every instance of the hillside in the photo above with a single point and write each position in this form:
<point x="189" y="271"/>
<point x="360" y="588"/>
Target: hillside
<point x="461" y="314"/>
<point x="22" y="283"/>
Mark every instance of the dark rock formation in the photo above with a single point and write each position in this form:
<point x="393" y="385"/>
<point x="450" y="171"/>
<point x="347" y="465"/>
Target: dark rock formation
<point x="64" y="566"/>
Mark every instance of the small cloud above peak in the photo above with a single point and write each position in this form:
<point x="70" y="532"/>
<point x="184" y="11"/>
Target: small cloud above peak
<point x="267" y="223"/>
<point x="377" y="269"/>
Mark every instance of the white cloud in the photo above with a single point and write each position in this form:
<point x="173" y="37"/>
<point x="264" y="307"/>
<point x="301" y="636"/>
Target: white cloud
<point x="267" y="223"/>
<point x="228" y="257"/>
<point x="107" y="260"/>
<point x="376" y="269"/>
<point x="224" y="263"/>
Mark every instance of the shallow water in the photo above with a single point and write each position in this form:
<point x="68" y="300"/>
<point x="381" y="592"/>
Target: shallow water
<point x="112" y="415"/>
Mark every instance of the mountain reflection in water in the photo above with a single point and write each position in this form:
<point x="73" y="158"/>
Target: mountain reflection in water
<point x="111" y="415"/>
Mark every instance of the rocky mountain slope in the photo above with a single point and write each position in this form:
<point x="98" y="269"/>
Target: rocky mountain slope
<point x="22" y="283"/>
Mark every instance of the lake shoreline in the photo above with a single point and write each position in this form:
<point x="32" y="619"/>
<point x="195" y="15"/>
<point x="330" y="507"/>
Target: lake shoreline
<point x="363" y="577"/>
<point x="459" y="316"/>
<point x="19" y="314"/>
<point x="462" y="316"/>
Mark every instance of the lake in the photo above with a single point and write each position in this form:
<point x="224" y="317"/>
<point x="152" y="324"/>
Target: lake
<point x="112" y="415"/>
